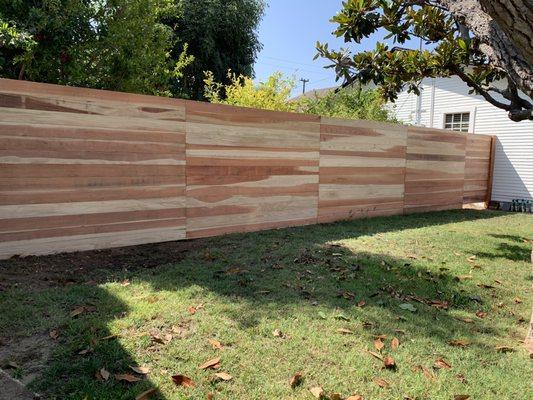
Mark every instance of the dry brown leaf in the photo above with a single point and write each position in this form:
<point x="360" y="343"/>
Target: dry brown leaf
<point x="441" y="363"/>
<point x="77" y="311"/>
<point x="182" y="380"/>
<point x="224" y="376"/>
<point x="127" y="378"/>
<point x="277" y="333"/>
<point x="296" y="379"/>
<point x="210" y="396"/>
<point x="54" y="334"/>
<point x="361" y="303"/>
<point x="466" y="320"/>
<point x="104" y="374"/>
<point x="389" y="362"/>
<point x="345" y="331"/>
<point x="459" y="343"/>
<point x="377" y="355"/>
<point x="395" y="343"/>
<point x="461" y="397"/>
<point x="210" y="363"/>
<point x="481" y="314"/>
<point x="125" y="282"/>
<point x="463" y="277"/>
<point x="378" y="344"/>
<point x="146" y="395"/>
<point x="215" y="343"/>
<point x="141" y="370"/>
<point x="381" y="382"/>
<point x="517" y="300"/>
<point x="355" y="397"/>
<point x="471" y="259"/>
<point x="191" y="310"/>
<point x="318" y="392"/>
<point x="504" y="349"/>
<point x="335" y="396"/>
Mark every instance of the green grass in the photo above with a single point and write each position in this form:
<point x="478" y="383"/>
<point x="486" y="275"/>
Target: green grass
<point x="306" y="271"/>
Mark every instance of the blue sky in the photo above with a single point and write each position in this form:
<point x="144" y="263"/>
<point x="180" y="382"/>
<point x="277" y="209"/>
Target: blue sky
<point x="289" y="31"/>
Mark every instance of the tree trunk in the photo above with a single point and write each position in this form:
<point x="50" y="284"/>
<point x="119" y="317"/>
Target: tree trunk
<point x="494" y="41"/>
<point x="515" y="18"/>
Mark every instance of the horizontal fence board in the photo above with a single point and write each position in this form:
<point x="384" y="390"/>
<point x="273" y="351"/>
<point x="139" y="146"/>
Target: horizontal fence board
<point x="84" y="169"/>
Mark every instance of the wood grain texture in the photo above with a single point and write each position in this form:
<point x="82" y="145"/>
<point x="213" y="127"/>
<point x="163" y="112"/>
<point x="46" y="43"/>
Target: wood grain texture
<point x="85" y="169"/>
<point x="249" y="169"/>
<point x="477" y="168"/>
<point x="362" y="168"/>
<point x="435" y="170"/>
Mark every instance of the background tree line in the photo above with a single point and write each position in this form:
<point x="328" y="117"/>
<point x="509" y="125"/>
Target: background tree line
<point x="159" y="47"/>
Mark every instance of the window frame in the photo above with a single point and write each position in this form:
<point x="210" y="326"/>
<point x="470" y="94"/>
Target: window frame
<point x="460" y="110"/>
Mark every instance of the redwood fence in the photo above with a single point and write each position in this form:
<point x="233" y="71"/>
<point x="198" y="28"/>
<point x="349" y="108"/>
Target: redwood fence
<point x="85" y="169"/>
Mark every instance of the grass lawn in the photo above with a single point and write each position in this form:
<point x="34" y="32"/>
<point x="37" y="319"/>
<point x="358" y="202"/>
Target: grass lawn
<point x="452" y="287"/>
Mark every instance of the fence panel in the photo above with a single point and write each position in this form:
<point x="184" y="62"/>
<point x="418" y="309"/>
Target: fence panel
<point x="85" y="169"/>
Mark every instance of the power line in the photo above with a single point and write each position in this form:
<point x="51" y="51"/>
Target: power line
<point x="293" y="62"/>
<point x="304" y="81"/>
<point x="289" y="68"/>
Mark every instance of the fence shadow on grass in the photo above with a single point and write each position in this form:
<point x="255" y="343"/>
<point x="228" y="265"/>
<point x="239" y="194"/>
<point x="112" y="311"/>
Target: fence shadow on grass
<point x="265" y="272"/>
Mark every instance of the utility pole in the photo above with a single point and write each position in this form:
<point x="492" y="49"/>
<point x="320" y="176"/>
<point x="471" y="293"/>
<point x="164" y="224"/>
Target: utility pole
<point x="304" y="82"/>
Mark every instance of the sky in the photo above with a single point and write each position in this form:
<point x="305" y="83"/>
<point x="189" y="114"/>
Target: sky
<point x="289" y="31"/>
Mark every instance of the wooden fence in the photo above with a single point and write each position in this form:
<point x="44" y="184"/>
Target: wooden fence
<point x="85" y="169"/>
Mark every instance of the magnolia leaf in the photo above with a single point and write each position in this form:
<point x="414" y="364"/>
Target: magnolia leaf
<point x="318" y="392"/>
<point x="146" y="395"/>
<point x="210" y="363"/>
<point x="182" y="380"/>
<point x="224" y="376"/>
<point x="296" y="379"/>
<point x="141" y="370"/>
<point x="127" y="378"/>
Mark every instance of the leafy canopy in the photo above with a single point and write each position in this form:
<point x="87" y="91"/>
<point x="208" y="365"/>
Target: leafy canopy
<point x="106" y="44"/>
<point x="453" y="52"/>
<point x="222" y="36"/>
<point x="275" y="92"/>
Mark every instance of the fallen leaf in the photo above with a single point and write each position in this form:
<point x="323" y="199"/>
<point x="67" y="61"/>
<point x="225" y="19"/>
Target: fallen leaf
<point x="109" y="337"/>
<point x="461" y="378"/>
<point x="466" y="320"/>
<point x="215" y="343"/>
<point x="461" y="397"/>
<point x="318" y="392"/>
<point x="77" y="311"/>
<point x="459" y="343"/>
<point x="296" y="379"/>
<point x="210" y="363"/>
<point x="471" y="259"/>
<point x="463" y="277"/>
<point x="442" y="364"/>
<point x="277" y="333"/>
<point x="481" y="314"/>
<point x="54" y="334"/>
<point x="182" y="380"/>
<point x="345" y="331"/>
<point x="394" y="343"/>
<point x="125" y="282"/>
<point x="127" y="377"/>
<point x="378" y="344"/>
<point x="12" y="364"/>
<point x="381" y="382"/>
<point x="354" y="397"/>
<point x="335" y="396"/>
<point x="389" y="362"/>
<point x="224" y="376"/>
<point x="361" y="303"/>
<point x="342" y="317"/>
<point x="517" y="300"/>
<point x="504" y="349"/>
<point x="141" y="370"/>
<point x="85" y="351"/>
<point x="104" y="374"/>
<point x="408" y="307"/>
<point x="210" y="396"/>
<point x="191" y="310"/>
<point x="146" y="395"/>
<point x="376" y="355"/>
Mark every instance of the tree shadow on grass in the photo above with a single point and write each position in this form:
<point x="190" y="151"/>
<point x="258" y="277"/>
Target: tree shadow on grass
<point x="266" y="273"/>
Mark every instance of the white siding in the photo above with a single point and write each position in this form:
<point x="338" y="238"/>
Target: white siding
<point x="513" y="166"/>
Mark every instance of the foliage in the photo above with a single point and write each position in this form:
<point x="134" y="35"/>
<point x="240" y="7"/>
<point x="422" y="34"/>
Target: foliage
<point x="351" y="103"/>
<point x="221" y="34"/>
<point x="107" y="44"/>
<point x="274" y="94"/>
<point x="453" y="52"/>
<point x="305" y="282"/>
<point x="16" y="47"/>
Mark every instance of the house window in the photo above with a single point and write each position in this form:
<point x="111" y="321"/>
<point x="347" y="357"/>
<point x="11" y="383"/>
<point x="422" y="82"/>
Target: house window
<point x="457" y="121"/>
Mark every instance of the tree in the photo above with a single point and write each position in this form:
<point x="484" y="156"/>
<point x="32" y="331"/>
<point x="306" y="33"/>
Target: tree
<point x="483" y="42"/>
<point x="274" y="94"/>
<point x="107" y="44"/>
<point x="350" y="103"/>
<point x="220" y="34"/>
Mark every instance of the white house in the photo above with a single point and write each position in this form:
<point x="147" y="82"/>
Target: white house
<point x="445" y="103"/>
